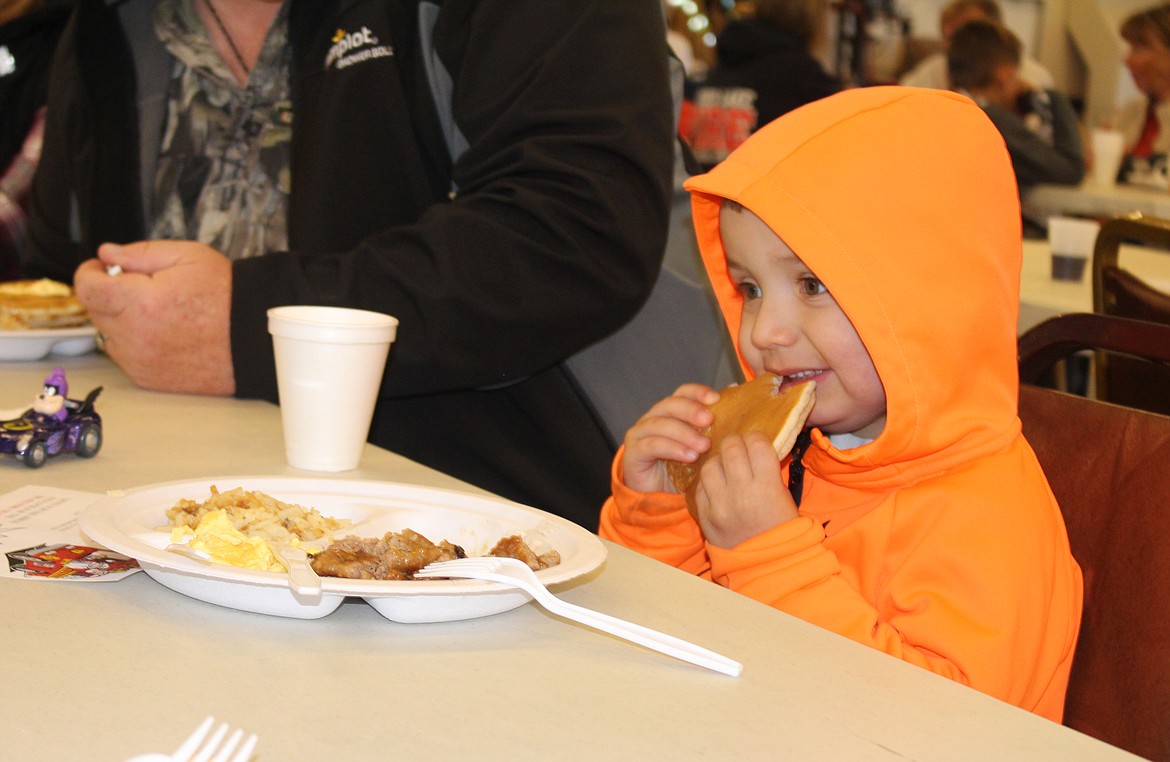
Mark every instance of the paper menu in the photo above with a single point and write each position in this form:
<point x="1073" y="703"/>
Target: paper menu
<point x="40" y="538"/>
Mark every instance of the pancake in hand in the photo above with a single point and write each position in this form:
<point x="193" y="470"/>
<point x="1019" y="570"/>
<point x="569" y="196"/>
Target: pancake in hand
<point x="758" y="405"/>
<point x="27" y="304"/>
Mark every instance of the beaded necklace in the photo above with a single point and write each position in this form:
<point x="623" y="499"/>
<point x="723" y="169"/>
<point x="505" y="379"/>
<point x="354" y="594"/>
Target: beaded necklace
<point x="231" y="43"/>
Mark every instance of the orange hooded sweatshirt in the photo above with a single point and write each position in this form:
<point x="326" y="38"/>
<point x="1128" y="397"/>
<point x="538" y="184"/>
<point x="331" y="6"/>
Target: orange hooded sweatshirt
<point x="939" y="542"/>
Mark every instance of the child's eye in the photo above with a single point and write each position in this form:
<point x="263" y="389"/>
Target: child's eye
<point x="749" y="290"/>
<point x="810" y="286"/>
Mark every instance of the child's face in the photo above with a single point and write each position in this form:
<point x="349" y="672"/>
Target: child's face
<point x="1006" y="86"/>
<point x="792" y="326"/>
<point x="1149" y="64"/>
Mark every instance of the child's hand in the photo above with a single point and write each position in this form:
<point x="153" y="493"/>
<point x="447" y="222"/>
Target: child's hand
<point x="669" y="431"/>
<point x="740" y="494"/>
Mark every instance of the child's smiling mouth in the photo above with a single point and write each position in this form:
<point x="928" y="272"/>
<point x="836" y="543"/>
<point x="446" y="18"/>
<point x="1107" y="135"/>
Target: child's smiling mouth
<point x="795" y="377"/>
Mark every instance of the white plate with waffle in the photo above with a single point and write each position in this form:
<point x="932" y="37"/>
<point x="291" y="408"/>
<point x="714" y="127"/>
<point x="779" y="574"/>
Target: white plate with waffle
<point x="42" y="317"/>
<point x="39" y="343"/>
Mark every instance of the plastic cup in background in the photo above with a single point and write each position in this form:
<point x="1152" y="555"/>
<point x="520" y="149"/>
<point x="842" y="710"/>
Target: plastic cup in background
<point x="329" y="364"/>
<point x="1108" y="152"/>
<point x="1071" y="240"/>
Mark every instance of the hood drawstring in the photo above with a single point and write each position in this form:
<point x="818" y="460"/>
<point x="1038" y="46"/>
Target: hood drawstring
<point x="796" y="469"/>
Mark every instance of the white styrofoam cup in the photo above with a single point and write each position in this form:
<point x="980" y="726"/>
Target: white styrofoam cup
<point x="1108" y="152"/>
<point x="1071" y="240"/>
<point x="329" y="365"/>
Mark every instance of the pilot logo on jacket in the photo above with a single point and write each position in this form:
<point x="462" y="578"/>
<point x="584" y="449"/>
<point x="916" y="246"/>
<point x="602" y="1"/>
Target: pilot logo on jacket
<point x="350" y="48"/>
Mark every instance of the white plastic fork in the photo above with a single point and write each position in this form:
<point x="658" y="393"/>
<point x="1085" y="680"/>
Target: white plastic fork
<point x="304" y="582"/>
<point x="199" y="747"/>
<point x="516" y="573"/>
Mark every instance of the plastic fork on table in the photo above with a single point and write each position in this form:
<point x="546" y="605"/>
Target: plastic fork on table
<point x="226" y="748"/>
<point x="304" y="582"/>
<point x="516" y="573"/>
<point x="220" y="746"/>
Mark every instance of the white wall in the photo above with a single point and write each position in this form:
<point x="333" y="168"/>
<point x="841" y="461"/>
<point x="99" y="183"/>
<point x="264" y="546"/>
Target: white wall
<point x="1084" y="50"/>
<point x="1077" y="40"/>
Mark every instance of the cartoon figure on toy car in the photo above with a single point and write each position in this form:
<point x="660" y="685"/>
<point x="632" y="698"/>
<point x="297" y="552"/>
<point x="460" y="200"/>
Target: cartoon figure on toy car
<point x="53" y="425"/>
<point x="51" y="400"/>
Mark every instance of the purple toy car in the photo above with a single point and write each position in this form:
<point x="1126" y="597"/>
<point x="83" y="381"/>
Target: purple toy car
<point x="33" y="437"/>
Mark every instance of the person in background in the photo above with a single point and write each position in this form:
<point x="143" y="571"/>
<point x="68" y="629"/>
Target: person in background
<point x="1040" y="127"/>
<point x="14" y="186"/>
<point x="932" y="70"/>
<point x="234" y="155"/>
<point x="764" y="68"/>
<point x="1145" y="122"/>
<point x="921" y="523"/>
<point x="28" y="34"/>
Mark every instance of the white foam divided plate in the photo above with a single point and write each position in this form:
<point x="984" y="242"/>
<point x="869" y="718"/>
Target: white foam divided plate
<point x="132" y="523"/>
<point x="37" y="344"/>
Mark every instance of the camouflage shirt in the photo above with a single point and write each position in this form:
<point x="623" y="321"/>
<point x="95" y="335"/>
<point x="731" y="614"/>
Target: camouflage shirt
<point x="223" y="168"/>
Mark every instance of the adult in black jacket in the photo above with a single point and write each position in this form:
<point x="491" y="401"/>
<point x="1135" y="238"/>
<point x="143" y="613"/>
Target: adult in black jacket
<point x="545" y="234"/>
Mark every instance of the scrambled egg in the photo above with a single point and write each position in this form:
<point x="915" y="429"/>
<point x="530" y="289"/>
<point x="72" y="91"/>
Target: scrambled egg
<point x="217" y="537"/>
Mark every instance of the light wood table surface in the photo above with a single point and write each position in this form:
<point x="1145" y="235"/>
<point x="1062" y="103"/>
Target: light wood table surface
<point x="105" y="671"/>
<point x="1042" y="296"/>
<point x="1091" y="200"/>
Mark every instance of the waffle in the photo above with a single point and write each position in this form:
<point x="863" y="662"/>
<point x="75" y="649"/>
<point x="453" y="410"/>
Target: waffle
<point x="757" y="405"/>
<point x="27" y="304"/>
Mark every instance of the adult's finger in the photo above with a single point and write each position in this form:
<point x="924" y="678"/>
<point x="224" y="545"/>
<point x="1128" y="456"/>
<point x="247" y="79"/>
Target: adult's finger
<point x="148" y="257"/>
<point x="102" y="294"/>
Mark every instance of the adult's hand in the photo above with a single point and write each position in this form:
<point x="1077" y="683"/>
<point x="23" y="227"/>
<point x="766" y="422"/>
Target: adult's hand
<point x="166" y="317"/>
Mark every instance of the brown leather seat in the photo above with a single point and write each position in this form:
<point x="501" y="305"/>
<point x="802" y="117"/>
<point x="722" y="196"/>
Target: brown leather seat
<point x="1117" y="291"/>
<point x="1108" y="467"/>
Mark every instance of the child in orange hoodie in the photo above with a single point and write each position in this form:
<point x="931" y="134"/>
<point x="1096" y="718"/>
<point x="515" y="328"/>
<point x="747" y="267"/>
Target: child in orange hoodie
<point x="870" y="241"/>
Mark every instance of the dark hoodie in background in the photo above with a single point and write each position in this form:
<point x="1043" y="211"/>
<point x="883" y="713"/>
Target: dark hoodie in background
<point x="28" y="42"/>
<point x="763" y="71"/>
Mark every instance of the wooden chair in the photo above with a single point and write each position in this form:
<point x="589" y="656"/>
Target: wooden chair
<point x="1056" y="338"/>
<point x="1107" y="466"/>
<point x="1117" y="291"/>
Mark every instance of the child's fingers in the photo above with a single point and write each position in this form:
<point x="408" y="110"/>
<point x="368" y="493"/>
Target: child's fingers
<point x="701" y="393"/>
<point x="675" y="423"/>
<point x="683" y="407"/>
<point x="740" y="493"/>
<point x="762" y="454"/>
<point x="689" y="402"/>
<point x="672" y="430"/>
<point x="661" y="447"/>
<point x="667" y="439"/>
<point x="734" y="455"/>
<point x="747" y="457"/>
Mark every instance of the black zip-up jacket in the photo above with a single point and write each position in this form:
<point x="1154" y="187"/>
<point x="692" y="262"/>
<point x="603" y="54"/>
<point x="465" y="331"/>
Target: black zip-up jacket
<point x="552" y="241"/>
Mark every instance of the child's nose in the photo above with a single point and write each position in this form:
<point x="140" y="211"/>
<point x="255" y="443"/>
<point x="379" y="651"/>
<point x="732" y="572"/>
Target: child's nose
<point x="775" y="326"/>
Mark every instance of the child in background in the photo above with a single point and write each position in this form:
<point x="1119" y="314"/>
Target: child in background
<point x="1040" y="127"/>
<point x="851" y="243"/>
